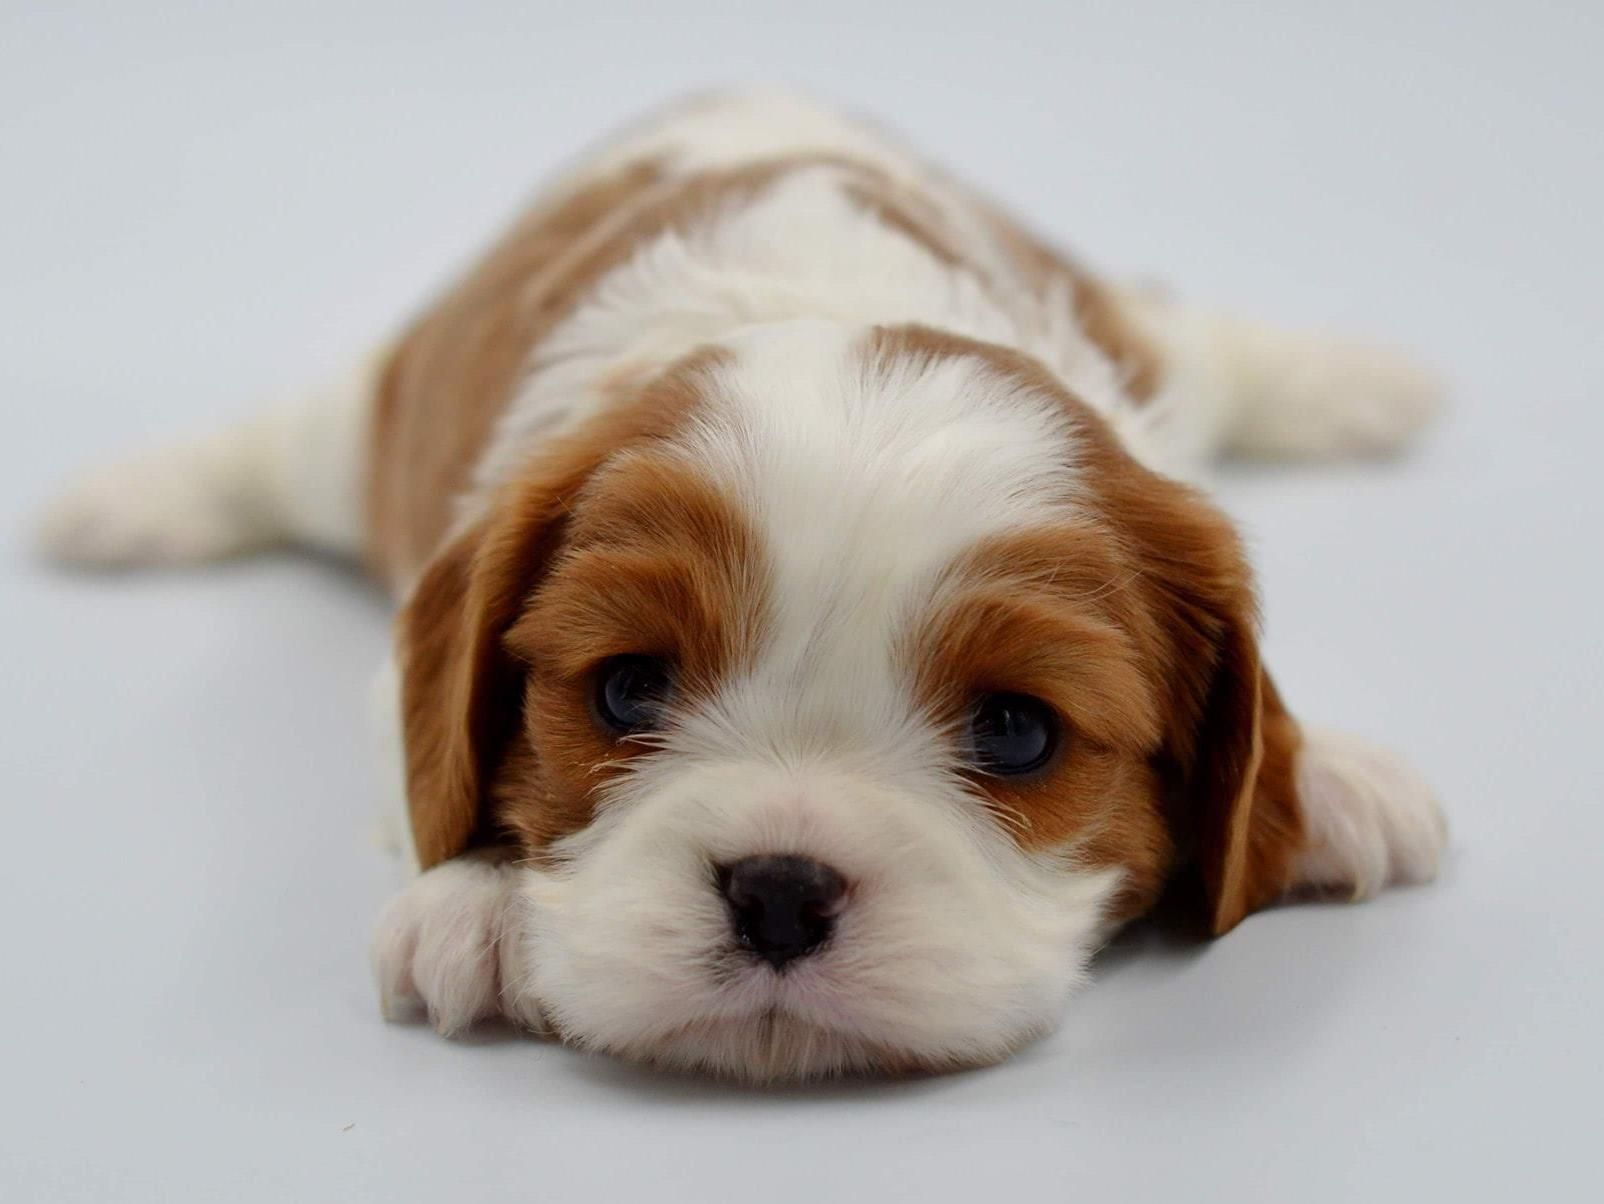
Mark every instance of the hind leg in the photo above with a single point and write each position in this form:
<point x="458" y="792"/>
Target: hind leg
<point x="291" y="475"/>
<point x="1369" y="819"/>
<point x="1252" y="389"/>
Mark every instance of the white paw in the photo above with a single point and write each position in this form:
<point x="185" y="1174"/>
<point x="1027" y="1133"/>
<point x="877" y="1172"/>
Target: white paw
<point x="1320" y="396"/>
<point x="185" y="504"/>
<point x="1370" y="819"/>
<point x="450" y="946"/>
<point x="1378" y="399"/>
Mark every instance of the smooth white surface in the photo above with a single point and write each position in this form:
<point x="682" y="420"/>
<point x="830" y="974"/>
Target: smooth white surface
<point x="203" y="205"/>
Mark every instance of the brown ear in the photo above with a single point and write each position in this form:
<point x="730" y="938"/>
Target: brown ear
<point x="1230" y="740"/>
<point x="1248" y="823"/>
<point x="460" y="691"/>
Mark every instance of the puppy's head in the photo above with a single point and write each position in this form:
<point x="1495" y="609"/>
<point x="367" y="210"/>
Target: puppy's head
<point x="842" y="689"/>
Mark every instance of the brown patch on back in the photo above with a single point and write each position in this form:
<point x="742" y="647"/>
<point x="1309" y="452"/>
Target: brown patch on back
<point x="904" y="211"/>
<point x="1097" y="307"/>
<point x="450" y="375"/>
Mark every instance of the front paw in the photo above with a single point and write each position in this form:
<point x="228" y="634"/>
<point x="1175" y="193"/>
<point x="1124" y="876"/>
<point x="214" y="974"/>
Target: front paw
<point x="450" y="946"/>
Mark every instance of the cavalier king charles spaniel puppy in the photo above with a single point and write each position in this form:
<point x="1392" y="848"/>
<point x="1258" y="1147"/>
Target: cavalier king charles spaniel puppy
<point x="808" y="652"/>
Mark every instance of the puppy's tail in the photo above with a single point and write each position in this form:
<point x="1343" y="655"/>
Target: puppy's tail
<point x="291" y="475"/>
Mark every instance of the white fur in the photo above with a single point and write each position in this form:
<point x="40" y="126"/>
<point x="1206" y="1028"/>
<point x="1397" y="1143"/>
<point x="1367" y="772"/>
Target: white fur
<point x="191" y="502"/>
<point x="1370" y="819"/>
<point x="731" y="129"/>
<point x="1251" y="388"/>
<point x="293" y="473"/>
<point x="867" y="487"/>
<point x="449" y="945"/>
<point x="954" y="948"/>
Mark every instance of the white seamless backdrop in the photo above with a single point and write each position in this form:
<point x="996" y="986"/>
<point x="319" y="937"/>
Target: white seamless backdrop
<point x="206" y="203"/>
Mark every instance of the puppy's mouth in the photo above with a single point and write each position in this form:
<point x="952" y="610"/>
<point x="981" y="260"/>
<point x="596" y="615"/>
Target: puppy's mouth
<point x="773" y="1046"/>
<point x="763" y="1025"/>
<point x="749" y="988"/>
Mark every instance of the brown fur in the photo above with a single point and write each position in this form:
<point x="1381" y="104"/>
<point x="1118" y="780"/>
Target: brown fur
<point x="1230" y="746"/>
<point x="1097" y="307"/>
<point x="1045" y="613"/>
<point x="902" y="211"/>
<point x="450" y="375"/>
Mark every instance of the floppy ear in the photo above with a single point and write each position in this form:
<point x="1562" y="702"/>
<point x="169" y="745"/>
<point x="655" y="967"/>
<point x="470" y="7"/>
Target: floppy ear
<point x="1230" y="740"/>
<point x="461" y="693"/>
<point x="461" y="690"/>
<point x="1249" y="827"/>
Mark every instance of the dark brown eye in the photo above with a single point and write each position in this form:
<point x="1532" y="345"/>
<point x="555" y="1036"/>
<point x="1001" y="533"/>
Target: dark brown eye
<point x="631" y="692"/>
<point x="1011" y="734"/>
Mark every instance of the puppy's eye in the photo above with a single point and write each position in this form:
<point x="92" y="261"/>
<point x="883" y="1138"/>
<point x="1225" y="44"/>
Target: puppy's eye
<point x="631" y="692"/>
<point x="1012" y="734"/>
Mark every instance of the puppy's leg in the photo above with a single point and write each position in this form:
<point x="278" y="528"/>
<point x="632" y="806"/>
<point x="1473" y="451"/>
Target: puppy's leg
<point x="292" y="474"/>
<point x="1252" y="389"/>
<point x="1369" y="820"/>
<point x="450" y="945"/>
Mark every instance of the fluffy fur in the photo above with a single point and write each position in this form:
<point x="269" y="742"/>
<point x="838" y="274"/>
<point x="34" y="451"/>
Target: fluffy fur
<point x="755" y="391"/>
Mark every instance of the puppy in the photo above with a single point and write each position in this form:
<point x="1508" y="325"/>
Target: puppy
<point x="807" y="655"/>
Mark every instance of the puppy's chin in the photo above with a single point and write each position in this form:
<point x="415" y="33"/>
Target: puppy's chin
<point x="952" y="949"/>
<point x="773" y="1048"/>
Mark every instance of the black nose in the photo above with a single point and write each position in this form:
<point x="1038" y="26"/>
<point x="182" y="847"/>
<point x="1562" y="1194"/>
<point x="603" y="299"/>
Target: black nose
<point x="782" y="906"/>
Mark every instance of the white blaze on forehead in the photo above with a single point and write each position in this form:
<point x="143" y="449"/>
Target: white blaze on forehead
<point x="867" y="477"/>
